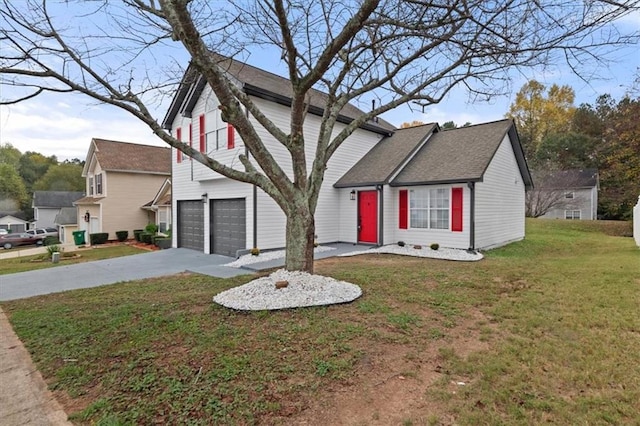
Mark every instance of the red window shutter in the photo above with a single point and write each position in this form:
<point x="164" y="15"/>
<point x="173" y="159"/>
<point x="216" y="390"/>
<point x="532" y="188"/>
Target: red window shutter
<point x="456" y="209"/>
<point x="230" y="137"/>
<point x="178" y="152"/>
<point x="404" y="203"/>
<point x="203" y="146"/>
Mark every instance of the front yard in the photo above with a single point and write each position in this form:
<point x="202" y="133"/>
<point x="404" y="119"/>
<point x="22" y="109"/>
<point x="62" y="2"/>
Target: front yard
<point x="545" y="330"/>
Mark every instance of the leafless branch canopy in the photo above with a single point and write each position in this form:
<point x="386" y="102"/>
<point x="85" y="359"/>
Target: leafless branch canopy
<point x="131" y="54"/>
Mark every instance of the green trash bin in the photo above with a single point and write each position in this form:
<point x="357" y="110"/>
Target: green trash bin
<point x="78" y="237"/>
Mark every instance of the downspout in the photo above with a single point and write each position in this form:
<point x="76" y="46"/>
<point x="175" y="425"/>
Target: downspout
<point x="255" y="199"/>
<point x="472" y="215"/>
<point x="380" y="216"/>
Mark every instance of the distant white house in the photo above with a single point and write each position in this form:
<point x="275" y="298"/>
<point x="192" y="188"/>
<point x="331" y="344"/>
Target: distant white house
<point x="13" y="223"/>
<point x="48" y="204"/>
<point x="462" y="188"/>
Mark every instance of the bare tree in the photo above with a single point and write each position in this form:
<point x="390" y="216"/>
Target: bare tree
<point x="392" y="51"/>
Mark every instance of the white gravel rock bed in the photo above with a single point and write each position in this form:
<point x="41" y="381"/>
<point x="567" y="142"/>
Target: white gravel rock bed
<point x="304" y="290"/>
<point x="408" y="250"/>
<point x="248" y="259"/>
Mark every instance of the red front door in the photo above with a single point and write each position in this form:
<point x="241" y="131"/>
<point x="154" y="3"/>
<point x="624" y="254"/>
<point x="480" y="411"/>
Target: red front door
<point x="368" y="216"/>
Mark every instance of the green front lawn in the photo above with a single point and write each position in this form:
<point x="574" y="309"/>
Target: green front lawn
<point x="546" y="330"/>
<point x="42" y="261"/>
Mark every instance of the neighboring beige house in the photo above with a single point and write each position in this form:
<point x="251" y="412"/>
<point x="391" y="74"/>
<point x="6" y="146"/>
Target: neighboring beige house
<point x="121" y="178"/>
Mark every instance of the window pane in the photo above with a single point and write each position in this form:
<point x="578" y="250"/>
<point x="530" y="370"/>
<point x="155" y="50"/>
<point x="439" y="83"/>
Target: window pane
<point x="419" y="219"/>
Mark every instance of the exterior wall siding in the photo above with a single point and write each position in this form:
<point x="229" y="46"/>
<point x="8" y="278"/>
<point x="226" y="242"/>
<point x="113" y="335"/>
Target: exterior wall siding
<point x="191" y="179"/>
<point x="426" y="237"/>
<point x="500" y="201"/>
<point x="127" y="193"/>
<point x="46" y="217"/>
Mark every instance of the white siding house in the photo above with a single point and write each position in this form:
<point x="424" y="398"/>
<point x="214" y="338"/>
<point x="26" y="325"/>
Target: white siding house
<point x="381" y="186"/>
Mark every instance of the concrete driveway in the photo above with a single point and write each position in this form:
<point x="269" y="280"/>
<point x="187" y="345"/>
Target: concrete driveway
<point x="110" y="271"/>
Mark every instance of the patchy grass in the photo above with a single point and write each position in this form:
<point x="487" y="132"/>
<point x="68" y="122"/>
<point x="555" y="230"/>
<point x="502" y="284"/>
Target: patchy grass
<point x="544" y="330"/>
<point x="30" y="263"/>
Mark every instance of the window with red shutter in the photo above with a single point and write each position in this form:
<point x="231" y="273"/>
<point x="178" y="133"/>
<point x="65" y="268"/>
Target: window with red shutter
<point x="230" y="136"/>
<point x="178" y="152"/>
<point x="203" y="145"/>
<point x="402" y="213"/>
<point x="456" y="209"/>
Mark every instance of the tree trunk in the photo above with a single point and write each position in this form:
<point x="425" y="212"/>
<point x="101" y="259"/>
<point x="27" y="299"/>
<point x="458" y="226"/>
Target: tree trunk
<point x="300" y="239"/>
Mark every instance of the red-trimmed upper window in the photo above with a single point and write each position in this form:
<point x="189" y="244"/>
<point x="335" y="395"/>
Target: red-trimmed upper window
<point x="456" y="209"/>
<point x="202" y="134"/>
<point x="178" y="152"/>
<point x="404" y="209"/>
<point x="231" y="137"/>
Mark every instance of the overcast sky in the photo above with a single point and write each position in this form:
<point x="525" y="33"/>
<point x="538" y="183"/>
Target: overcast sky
<point x="64" y="124"/>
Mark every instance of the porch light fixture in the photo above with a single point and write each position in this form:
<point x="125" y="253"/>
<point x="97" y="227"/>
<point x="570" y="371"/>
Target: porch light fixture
<point x="87" y="216"/>
<point x="352" y="195"/>
<point x="204" y="198"/>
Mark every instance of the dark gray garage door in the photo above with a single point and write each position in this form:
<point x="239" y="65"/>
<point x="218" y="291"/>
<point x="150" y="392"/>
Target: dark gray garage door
<point x="191" y="224"/>
<point x="228" y="226"/>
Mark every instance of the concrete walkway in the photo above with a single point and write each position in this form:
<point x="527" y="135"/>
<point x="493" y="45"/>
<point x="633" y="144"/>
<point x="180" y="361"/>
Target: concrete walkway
<point x="24" y="397"/>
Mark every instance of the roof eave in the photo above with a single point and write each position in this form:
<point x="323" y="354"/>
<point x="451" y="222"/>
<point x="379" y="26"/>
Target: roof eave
<point x="436" y="182"/>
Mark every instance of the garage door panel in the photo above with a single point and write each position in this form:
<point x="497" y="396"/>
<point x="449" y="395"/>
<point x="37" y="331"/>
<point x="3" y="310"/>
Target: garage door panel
<point x="191" y="224"/>
<point x="228" y="226"/>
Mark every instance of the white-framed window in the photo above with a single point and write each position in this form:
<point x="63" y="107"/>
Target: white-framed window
<point x="216" y="131"/>
<point x="164" y="219"/>
<point x="572" y="214"/>
<point x="98" y="179"/>
<point x="569" y="195"/>
<point x="91" y="190"/>
<point x="429" y="208"/>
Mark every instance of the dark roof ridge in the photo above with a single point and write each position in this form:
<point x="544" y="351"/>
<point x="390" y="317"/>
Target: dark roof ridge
<point x="477" y="124"/>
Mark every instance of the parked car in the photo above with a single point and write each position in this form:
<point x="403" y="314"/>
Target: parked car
<point x="43" y="232"/>
<point x="19" y="239"/>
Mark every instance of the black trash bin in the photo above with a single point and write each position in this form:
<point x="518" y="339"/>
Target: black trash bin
<point x="78" y="237"/>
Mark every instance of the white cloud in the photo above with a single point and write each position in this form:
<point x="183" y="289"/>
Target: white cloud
<point x="65" y="128"/>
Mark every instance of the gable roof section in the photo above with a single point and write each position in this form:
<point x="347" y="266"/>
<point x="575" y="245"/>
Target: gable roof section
<point x="461" y="155"/>
<point x="262" y="84"/>
<point x="564" y="179"/>
<point x="129" y="157"/>
<point x="67" y="216"/>
<point x="380" y="164"/>
<point x="55" y="199"/>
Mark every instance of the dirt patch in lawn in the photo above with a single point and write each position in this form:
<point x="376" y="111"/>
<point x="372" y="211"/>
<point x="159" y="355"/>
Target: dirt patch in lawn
<point x="391" y="382"/>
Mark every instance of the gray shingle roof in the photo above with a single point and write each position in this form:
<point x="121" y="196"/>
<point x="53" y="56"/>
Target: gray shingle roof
<point x="448" y="156"/>
<point x="67" y="216"/>
<point x="384" y="159"/>
<point x="460" y="155"/>
<point x="259" y="83"/>
<point x="561" y="179"/>
<point x="55" y="199"/>
<point x="131" y="157"/>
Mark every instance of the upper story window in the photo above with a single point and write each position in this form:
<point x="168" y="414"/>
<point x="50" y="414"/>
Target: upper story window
<point x="219" y="134"/>
<point x="569" y="195"/>
<point x="91" y="188"/>
<point x="429" y="208"/>
<point x="98" y="179"/>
